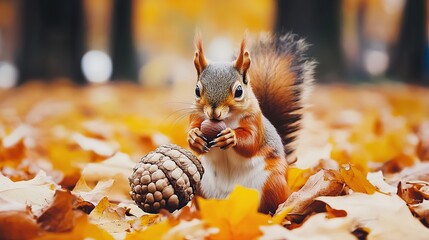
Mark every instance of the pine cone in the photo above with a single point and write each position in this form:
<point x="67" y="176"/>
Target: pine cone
<point x="166" y="178"/>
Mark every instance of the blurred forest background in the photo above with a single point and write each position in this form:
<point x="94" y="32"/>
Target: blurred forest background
<point x="151" y="41"/>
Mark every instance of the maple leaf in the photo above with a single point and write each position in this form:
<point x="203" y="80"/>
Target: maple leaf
<point x="119" y="167"/>
<point x="236" y="217"/>
<point x="92" y="195"/>
<point x="110" y="218"/>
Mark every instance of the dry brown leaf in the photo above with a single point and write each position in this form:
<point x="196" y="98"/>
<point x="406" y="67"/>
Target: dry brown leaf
<point x="323" y="183"/>
<point x="422" y="210"/>
<point x="420" y="171"/>
<point x="60" y="216"/>
<point x="334" y="213"/>
<point x="386" y="216"/>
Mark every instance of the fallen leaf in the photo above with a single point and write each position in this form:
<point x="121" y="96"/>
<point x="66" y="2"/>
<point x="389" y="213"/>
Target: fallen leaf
<point x="110" y="218"/>
<point x="334" y="213"/>
<point x="60" y="216"/>
<point x="92" y="195"/>
<point x="82" y="230"/>
<point x="296" y="178"/>
<point x="323" y="183"/>
<point x="97" y="146"/>
<point x="16" y="137"/>
<point x="18" y="225"/>
<point x="422" y="210"/>
<point x="279" y="217"/>
<point x="194" y="229"/>
<point x="119" y="167"/>
<point x="317" y="227"/>
<point x="377" y="179"/>
<point x="154" y="232"/>
<point x="387" y="216"/>
<point x="355" y="179"/>
<point x="236" y="217"/>
<point x="419" y="171"/>
<point x="37" y="193"/>
<point x="132" y="208"/>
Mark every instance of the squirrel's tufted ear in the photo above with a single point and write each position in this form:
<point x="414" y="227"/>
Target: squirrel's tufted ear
<point x="200" y="61"/>
<point x="242" y="63"/>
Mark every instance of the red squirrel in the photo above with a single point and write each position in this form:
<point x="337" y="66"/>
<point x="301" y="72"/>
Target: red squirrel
<point x="260" y="96"/>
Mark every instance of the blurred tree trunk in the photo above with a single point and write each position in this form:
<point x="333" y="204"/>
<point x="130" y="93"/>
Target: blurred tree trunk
<point x="123" y="55"/>
<point x="51" y="40"/>
<point x="408" y="56"/>
<point x="319" y="22"/>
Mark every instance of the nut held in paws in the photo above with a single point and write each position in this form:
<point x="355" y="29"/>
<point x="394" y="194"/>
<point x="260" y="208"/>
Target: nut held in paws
<point x="166" y="178"/>
<point x="211" y="128"/>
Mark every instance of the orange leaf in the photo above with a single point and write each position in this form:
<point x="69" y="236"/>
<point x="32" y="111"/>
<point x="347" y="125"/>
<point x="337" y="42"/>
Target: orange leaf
<point x="18" y="225"/>
<point x="82" y="230"/>
<point x="356" y="180"/>
<point x="236" y="217"/>
<point x="154" y="232"/>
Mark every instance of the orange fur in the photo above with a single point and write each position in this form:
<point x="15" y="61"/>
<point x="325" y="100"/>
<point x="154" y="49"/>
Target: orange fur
<point x="200" y="61"/>
<point x="275" y="190"/>
<point x="249" y="136"/>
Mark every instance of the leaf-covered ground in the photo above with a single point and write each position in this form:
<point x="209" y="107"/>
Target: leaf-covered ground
<point x="66" y="153"/>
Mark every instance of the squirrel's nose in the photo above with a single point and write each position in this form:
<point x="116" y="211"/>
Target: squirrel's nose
<point x="216" y="114"/>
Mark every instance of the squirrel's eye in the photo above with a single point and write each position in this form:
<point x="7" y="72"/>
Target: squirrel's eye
<point x="197" y="91"/>
<point x="238" y="92"/>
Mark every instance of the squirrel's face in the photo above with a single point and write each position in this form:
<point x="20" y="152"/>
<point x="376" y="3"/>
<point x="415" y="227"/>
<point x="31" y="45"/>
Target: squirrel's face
<point x="221" y="91"/>
<point x="222" y="88"/>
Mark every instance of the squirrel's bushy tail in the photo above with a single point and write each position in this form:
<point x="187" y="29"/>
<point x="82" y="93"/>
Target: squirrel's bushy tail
<point x="281" y="76"/>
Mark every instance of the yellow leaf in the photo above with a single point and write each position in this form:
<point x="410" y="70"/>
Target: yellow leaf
<point x="236" y="217"/>
<point x="356" y="180"/>
<point x="279" y="217"/>
<point x="108" y="218"/>
<point x="153" y="232"/>
<point x="296" y="178"/>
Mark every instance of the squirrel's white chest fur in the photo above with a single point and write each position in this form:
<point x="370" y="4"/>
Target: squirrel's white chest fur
<point x="224" y="169"/>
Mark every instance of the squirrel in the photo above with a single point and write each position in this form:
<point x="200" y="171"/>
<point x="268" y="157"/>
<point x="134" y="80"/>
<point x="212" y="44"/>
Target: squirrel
<point x="260" y="96"/>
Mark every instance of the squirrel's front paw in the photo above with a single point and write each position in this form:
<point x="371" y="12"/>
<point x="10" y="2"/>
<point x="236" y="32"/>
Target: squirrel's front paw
<point x="225" y="139"/>
<point x="197" y="141"/>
